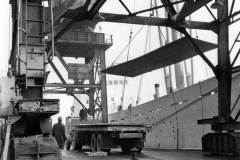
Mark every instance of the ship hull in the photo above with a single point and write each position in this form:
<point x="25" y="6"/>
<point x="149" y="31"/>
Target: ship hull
<point x="173" y="118"/>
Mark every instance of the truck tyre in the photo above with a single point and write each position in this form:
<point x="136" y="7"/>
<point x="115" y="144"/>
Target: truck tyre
<point x="77" y="147"/>
<point x="75" y="144"/>
<point x="139" y="150"/>
<point x="68" y="146"/>
<point x="99" y="142"/>
<point x="93" y="143"/>
<point x="108" y="151"/>
<point x="126" y="148"/>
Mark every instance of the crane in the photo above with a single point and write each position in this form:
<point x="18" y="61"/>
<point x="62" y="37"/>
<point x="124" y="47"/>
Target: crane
<point x="27" y="114"/>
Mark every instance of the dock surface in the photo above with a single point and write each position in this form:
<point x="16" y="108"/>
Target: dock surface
<point x="116" y="154"/>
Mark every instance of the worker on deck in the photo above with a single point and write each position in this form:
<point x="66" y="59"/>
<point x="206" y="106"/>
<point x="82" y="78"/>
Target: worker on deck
<point x="130" y="111"/>
<point x="59" y="134"/>
<point x="83" y="114"/>
<point x="119" y="108"/>
<point x="129" y="107"/>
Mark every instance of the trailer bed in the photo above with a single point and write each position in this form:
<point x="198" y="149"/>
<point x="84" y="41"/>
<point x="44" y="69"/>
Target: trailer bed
<point x="108" y="127"/>
<point x="102" y="136"/>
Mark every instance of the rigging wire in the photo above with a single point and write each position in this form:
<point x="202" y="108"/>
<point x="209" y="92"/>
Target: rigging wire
<point x="148" y="37"/>
<point x="205" y="65"/>
<point x="128" y="52"/>
<point x="125" y="78"/>
<point x="126" y="47"/>
<point x="147" y="43"/>
<point x="161" y="35"/>
<point x="192" y="59"/>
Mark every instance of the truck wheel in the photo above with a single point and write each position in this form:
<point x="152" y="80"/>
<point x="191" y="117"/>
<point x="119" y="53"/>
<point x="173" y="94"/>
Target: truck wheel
<point x="99" y="142"/>
<point x="68" y="146"/>
<point x="75" y="144"/>
<point x="139" y="150"/>
<point x="108" y="151"/>
<point x="78" y="147"/>
<point x="126" y="148"/>
<point x="93" y="142"/>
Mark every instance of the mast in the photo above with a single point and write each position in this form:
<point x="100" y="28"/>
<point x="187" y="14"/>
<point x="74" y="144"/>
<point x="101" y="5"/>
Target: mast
<point x="191" y="76"/>
<point x="179" y="73"/>
<point x="167" y="70"/>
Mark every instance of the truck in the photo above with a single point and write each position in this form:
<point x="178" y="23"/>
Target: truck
<point x="82" y="42"/>
<point x="105" y="136"/>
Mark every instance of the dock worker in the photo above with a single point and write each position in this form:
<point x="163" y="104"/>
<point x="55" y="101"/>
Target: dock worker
<point x="59" y="133"/>
<point x="119" y="108"/>
<point x="130" y="111"/>
<point x="83" y="114"/>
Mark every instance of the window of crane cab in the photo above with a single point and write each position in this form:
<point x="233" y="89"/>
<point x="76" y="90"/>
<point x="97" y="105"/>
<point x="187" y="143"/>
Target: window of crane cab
<point x="45" y="3"/>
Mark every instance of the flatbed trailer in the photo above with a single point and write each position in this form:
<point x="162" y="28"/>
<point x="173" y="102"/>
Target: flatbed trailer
<point x="104" y="136"/>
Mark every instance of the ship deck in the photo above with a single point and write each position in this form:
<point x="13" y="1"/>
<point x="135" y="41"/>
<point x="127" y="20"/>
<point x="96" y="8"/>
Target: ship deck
<point x="147" y="154"/>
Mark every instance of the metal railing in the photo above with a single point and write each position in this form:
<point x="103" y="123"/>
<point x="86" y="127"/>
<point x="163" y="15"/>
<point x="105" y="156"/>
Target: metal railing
<point x="87" y="37"/>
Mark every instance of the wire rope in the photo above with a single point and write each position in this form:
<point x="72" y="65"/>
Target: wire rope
<point x="148" y="37"/>
<point x="128" y="53"/>
<point x="126" y="47"/>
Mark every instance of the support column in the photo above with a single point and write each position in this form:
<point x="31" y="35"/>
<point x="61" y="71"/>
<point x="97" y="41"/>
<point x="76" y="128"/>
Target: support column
<point x="91" y="90"/>
<point x="224" y="66"/>
<point x="179" y="75"/>
<point x="103" y="87"/>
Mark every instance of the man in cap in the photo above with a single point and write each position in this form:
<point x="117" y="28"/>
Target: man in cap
<point x="59" y="133"/>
